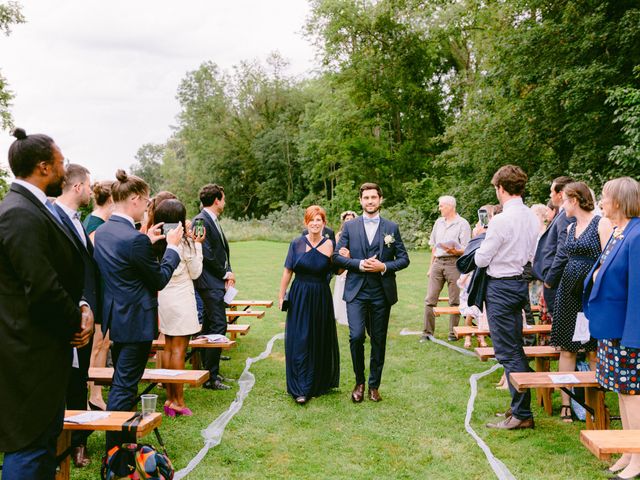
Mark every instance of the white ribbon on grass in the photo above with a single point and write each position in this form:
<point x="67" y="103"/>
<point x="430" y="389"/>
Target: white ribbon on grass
<point x="499" y="468"/>
<point x="213" y="433"/>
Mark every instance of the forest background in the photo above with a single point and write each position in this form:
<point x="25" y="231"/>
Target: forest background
<point x="426" y="98"/>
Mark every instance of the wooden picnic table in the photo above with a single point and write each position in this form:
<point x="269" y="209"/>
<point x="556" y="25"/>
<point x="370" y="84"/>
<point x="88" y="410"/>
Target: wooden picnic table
<point x="455" y="310"/>
<point x="195" y="378"/>
<point x="113" y="423"/>
<point x="597" y="412"/>
<point x="541" y="356"/>
<point x="602" y="443"/>
<point x="528" y="330"/>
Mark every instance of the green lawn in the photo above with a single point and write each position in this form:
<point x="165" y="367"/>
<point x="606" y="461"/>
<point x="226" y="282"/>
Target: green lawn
<point x="416" y="432"/>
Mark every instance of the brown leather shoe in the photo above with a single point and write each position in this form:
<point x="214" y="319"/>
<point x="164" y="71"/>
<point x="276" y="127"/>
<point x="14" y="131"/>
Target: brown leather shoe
<point x="358" y="393"/>
<point x="374" y="395"/>
<point x="512" y="423"/>
<point x="504" y="414"/>
<point x="80" y="457"/>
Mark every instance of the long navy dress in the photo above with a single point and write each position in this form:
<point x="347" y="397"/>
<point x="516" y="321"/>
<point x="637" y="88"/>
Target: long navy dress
<point x="311" y="341"/>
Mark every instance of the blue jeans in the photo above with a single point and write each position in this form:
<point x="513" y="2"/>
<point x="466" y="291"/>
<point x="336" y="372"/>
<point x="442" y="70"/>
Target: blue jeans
<point x="36" y="461"/>
<point x="505" y="301"/>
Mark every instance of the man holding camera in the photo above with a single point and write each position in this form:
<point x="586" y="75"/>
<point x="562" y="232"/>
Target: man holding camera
<point x="450" y="235"/>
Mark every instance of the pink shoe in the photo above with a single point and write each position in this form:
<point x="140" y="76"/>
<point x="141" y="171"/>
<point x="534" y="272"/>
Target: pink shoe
<point x="185" y="412"/>
<point x="169" y="412"/>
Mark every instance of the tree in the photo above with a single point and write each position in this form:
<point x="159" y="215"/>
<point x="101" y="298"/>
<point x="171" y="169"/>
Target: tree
<point x="148" y="165"/>
<point x="10" y="13"/>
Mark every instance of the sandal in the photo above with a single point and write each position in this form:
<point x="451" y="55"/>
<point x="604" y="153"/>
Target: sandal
<point x="566" y="415"/>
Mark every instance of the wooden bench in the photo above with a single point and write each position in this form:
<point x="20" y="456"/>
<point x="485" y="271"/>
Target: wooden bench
<point x="250" y="303"/>
<point x="233" y="315"/>
<point x="602" y="443"/>
<point x="597" y="412"/>
<point x="160" y="344"/>
<point x="112" y="423"/>
<point x="455" y="310"/>
<point x="235" y="329"/>
<point x="529" y="330"/>
<point x="542" y="356"/>
<point x="195" y="378"/>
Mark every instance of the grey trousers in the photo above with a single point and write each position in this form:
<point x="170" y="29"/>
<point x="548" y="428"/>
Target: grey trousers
<point x="443" y="270"/>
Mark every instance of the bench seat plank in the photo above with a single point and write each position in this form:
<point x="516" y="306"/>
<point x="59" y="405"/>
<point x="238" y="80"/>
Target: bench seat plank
<point x="245" y="313"/>
<point x="104" y="376"/>
<point x="485" y="353"/>
<point x="523" y="380"/>
<point x="529" y="330"/>
<point x="602" y="443"/>
<point x="251" y="303"/>
<point x="159" y="344"/>
<point x="114" y="421"/>
<point x="456" y="310"/>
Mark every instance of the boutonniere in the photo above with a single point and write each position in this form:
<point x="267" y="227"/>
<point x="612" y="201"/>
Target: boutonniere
<point x="389" y="239"/>
<point x="326" y="235"/>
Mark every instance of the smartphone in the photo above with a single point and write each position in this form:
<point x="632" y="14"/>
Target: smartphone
<point x="198" y="227"/>
<point x="483" y="217"/>
<point x="167" y="227"/>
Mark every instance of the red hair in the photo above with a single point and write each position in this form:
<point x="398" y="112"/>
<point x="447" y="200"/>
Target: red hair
<point x="312" y="211"/>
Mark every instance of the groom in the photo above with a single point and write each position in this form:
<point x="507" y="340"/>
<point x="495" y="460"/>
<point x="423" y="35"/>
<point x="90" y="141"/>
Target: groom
<point x="371" y="249"/>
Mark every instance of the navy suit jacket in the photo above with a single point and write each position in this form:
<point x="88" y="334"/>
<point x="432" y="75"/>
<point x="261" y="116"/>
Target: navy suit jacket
<point x="394" y="256"/>
<point x="612" y="302"/>
<point x="40" y="289"/>
<point x="132" y="277"/>
<point x="91" y="292"/>
<point x="550" y="259"/>
<point x="215" y="256"/>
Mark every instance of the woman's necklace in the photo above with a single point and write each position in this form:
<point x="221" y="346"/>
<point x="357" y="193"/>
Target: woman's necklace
<point x="618" y="232"/>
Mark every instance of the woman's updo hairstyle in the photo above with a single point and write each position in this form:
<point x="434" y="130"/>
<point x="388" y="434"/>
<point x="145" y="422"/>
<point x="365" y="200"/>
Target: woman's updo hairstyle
<point x="127" y="185"/>
<point x="29" y="150"/>
<point x="101" y="192"/>
<point x="580" y="191"/>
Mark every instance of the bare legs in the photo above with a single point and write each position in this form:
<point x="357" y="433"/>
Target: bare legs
<point x="567" y="363"/>
<point x="175" y="349"/>
<point x="630" y="413"/>
<point x="467" y="339"/>
<point x="98" y="359"/>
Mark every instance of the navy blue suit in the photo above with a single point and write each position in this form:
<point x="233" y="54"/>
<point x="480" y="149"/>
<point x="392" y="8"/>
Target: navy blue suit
<point x="132" y="277"/>
<point x="77" y="390"/>
<point x="210" y="286"/>
<point x="550" y="259"/>
<point x="369" y="296"/>
<point x="612" y="302"/>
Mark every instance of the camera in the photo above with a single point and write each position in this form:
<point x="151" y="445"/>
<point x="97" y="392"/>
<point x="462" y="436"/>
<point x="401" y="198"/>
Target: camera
<point x="483" y="217"/>
<point x="167" y="227"/>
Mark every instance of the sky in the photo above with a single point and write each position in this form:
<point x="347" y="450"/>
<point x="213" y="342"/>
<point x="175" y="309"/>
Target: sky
<point x="101" y="77"/>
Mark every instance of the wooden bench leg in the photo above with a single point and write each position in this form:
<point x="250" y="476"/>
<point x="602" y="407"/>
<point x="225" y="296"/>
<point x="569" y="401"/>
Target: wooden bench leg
<point x="232" y="335"/>
<point x="543" y="395"/>
<point x="594" y="398"/>
<point x="64" y="442"/>
<point x="195" y="360"/>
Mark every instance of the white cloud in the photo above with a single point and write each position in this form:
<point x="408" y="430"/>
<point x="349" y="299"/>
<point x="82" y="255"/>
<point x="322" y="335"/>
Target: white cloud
<point x="101" y="77"/>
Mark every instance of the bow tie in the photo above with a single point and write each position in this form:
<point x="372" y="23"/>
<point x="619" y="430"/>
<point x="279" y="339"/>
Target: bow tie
<point x="371" y="221"/>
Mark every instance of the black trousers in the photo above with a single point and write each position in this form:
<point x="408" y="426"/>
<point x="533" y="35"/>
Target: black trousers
<point x="505" y="300"/>
<point x="214" y="321"/>
<point x="77" y="391"/>
<point x="129" y="361"/>
<point x="368" y="313"/>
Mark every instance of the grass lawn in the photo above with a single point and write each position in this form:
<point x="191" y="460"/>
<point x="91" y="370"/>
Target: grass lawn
<point x="416" y="432"/>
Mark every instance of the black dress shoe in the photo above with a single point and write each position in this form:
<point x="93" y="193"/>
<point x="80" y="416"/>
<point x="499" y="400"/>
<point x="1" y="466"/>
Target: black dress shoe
<point x="225" y="357"/>
<point x="217" y="385"/>
<point x="301" y="400"/>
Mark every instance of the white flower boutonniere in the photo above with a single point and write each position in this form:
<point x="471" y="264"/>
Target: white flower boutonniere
<point x="326" y="235"/>
<point x="389" y="239"/>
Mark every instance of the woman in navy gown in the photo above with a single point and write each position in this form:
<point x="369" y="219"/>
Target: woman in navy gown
<point x="311" y="342"/>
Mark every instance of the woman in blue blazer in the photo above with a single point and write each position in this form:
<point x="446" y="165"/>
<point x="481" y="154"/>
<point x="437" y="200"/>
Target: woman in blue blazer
<point x="612" y="304"/>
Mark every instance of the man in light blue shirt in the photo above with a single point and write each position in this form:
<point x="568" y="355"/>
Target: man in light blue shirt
<point x="510" y="243"/>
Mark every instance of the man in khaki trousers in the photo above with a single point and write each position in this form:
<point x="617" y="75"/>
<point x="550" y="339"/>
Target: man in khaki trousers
<point x="450" y="235"/>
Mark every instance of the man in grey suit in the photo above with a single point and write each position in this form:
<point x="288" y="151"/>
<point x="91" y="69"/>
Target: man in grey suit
<point x="548" y="263"/>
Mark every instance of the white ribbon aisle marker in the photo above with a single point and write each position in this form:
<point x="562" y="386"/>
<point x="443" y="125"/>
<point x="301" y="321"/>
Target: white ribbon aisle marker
<point x="213" y="433"/>
<point x="499" y="468"/>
